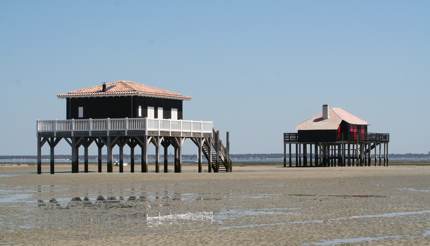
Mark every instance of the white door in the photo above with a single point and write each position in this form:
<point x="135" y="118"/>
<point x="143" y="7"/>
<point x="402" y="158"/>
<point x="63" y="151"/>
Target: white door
<point x="174" y="114"/>
<point x="139" y="111"/>
<point x="150" y="113"/>
<point x="160" y="113"/>
<point x="81" y="112"/>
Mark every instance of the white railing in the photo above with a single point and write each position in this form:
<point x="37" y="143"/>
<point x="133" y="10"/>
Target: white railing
<point x="125" y="124"/>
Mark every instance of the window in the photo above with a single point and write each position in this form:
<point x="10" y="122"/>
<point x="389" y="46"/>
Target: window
<point x="151" y="113"/>
<point x="80" y="112"/>
<point x="174" y="115"/>
<point x="139" y="111"/>
<point x="160" y="113"/>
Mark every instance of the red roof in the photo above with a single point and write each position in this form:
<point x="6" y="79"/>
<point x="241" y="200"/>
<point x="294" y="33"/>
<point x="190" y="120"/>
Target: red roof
<point x="335" y="117"/>
<point x="124" y="88"/>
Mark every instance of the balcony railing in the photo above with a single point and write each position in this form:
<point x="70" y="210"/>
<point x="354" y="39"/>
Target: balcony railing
<point x="124" y="124"/>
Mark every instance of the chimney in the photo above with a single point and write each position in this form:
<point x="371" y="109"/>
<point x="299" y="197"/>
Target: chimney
<point x="325" y="112"/>
<point x="104" y="87"/>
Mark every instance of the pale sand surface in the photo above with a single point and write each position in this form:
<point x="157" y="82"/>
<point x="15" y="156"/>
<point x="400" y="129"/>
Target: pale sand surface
<point x="254" y="205"/>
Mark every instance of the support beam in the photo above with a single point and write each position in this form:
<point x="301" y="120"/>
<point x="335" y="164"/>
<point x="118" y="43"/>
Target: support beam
<point x="290" y="164"/>
<point x="109" y="146"/>
<point x="157" y="154"/>
<point x="39" y="155"/>
<point x="121" y="157"/>
<point x="166" y="156"/>
<point x="132" y="159"/>
<point x="199" y="154"/>
<point x="316" y="155"/>
<point x="209" y="155"/>
<point x="285" y="152"/>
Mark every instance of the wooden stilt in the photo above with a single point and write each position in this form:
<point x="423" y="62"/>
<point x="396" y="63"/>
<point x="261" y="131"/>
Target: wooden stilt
<point x="144" y="159"/>
<point x="310" y="155"/>
<point x="109" y="164"/>
<point x="52" y="142"/>
<point x="121" y="157"/>
<point x="157" y="154"/>
<point x="290" y="163"/>
<point x="132" y="159"/>
<point x="285" y="153"/>
<point x="75" y="155"/>
<point x="210" y="155"/>
<point x="305" y="155"/>
<point x="199" y="154"/>
<point x="297" y="154"/>
<point x="86" y="159"/>
<point x="99" y="144"/>
<point x="39" y="155"/>
<point x="380" y="158"/>
<point x="166" y="157"/>
<point x="316" y="154"/>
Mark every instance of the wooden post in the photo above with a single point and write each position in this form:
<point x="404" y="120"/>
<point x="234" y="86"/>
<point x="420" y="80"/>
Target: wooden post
<point x="144" y="159"/>
<point x="86" y="158"/>
<point x="109" y="147"/>
<point x="349" y="154"/>
<point x="178" y="155"/>
<point x="99" y="158"/>
<point x="316" y="154"/>
<point x="39" y="155"/>
<point x="297" y="154"/>
<point x="285" y="151"/>
<point x="230" y="165"/>
<point x="290" y="163"/>
<point x="380" y="158"/>
<point x="305" y="155"/>
<point x="199" y="154"/>
<point x="157" y="154"/>
<point x="300" y="155"/>
<point x="121" y="156"/>
<point x="210" y="155"/>
<point x="166" y="158"/>
<point x="310" y="155"/>
<point x="132" y="159"/>
<point x="75" y="155"/>
<point x="52" y="155"/>
<point x="388" y="155"/>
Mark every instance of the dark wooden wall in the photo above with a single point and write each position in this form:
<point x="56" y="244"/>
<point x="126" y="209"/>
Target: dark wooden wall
<point x="120" y="107"/>
<point x="345" y="134"/>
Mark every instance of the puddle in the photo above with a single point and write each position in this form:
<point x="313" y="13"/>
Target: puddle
<point x="390" y="215"/>
<point x="13" y="196"/>
<point x="414" y="190"/>
<point x="175" y="218"/>
<point x="5" y="175"/>
<point x="219" y="217"/>
<point x="248" y="226"/>
<point x="343" y="196"/>
<point x="354" y="240"/>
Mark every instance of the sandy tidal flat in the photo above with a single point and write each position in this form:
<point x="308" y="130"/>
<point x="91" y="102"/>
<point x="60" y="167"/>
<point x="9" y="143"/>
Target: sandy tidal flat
<point x="254" y="205"/>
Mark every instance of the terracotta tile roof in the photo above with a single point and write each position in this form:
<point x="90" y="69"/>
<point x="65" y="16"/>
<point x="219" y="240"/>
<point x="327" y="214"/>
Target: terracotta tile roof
<point x="124" y="88"/>
<point x="336" y="116"/>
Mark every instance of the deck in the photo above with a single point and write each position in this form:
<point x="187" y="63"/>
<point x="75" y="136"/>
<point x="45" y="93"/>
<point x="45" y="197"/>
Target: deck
<point x="370" y="138"/>
<point x="124" y="127"/>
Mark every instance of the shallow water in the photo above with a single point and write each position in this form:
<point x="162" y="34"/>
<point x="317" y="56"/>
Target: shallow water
<point x="301" y="212"/>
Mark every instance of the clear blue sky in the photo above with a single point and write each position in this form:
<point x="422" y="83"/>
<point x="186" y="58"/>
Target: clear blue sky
<point x="256" y="68"/>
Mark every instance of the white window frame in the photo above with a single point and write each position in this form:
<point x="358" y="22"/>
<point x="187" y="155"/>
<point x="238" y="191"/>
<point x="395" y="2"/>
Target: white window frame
<point x="149" y="115"/>
<point x="160" y="113"/>
<point x="81" y="112"/>
<point x="172" y="115"/>
<point x="139" y="111"/>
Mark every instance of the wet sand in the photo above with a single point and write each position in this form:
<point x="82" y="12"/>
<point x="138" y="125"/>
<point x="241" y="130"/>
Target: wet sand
<point x="258" y="205"/>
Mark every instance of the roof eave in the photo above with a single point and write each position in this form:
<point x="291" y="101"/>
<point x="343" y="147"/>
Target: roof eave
<point x="182" y="98"/>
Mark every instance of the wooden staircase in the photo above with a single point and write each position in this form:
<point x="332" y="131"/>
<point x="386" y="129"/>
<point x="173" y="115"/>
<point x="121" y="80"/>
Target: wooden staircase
<point x="219" y="153"/>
